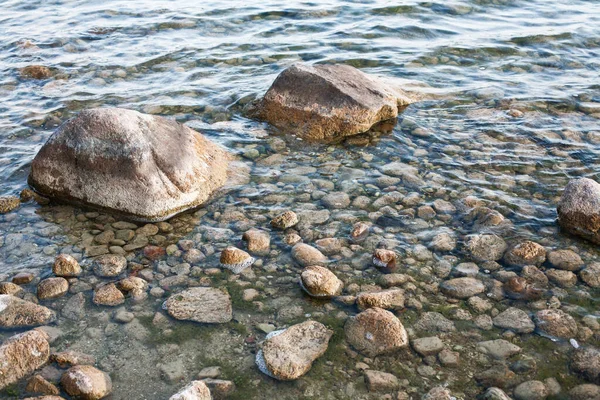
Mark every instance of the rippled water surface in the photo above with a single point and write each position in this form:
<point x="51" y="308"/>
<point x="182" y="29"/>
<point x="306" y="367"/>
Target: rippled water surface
<point x="512" y="113"/>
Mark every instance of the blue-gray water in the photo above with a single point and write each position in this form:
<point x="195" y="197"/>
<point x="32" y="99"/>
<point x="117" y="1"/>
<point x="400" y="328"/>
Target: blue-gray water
<point x="516" y="114"/>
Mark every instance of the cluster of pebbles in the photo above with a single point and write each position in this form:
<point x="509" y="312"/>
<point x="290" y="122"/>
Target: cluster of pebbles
<point x="449" y="314"/>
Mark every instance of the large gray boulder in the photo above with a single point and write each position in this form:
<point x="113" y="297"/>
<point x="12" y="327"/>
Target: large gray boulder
<point x="579" y="209"/>
<point x="328" y="102"/>
<point x="145" y="167"/>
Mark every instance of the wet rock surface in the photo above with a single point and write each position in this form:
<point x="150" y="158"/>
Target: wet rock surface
<point x="328" y="102"/>
<point x="291" y="353"/>
<point x="17" y="313"/>
<point x="21" y="355"/>
<point x="86" y="382"/>
<point x="320" y="282"/>
<point x="94" y="146"/>
<point x="207" y="305"/>
<point x="375" y="331"/>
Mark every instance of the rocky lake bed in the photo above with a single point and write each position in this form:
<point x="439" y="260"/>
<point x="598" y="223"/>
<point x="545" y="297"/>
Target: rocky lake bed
<point x="450" y="253"/>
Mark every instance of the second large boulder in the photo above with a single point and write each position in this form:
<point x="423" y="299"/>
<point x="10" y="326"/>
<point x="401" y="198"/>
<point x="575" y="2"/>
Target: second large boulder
<point x="328" y="102"/>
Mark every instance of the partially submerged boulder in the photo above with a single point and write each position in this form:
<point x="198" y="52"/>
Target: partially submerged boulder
<point x="328" y="102"/>
<point x="579" y="209"/>
<point x="86" y="382"/>
<point x="22" y="354"/>
<point x="145" y="167"/>
<point x="17" y="313"/>
<point x="289" y="354"/>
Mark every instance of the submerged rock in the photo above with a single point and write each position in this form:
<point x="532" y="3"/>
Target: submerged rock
<point x="525" y="253"/>
<point x="462" y="288"/>
<point x="51" y="288"/>
<point x="86" y="382"/>
<point x="320" y="282"/>
<point x="200" y="304"/>
<point x="22" y="354"/>
<point x="195" y="390"/>
<point x="8" y="203"/>
<point x="108" y="295"/>
<point x="66" y="266"/>
<point x="258" y="241"/>
<point x="586" y="361"/>
<point x="391" y="299"/>
<point x="485" y="247"/>
<point x="514" y="319"/>
<point x="306" y="255"/>
<point x="375" y="331"/>
<point x="284" y="220"/>
<point x="556" y="323"/>
<point x="109" y="265"/>
<point x="328" y="102"/>
<point x="146" y="167"/>
<point x="17" y="313"/>
<point x="289" y="354"/>
<point x="579" y="209"/>
<point x="235" y="260"/>
<point x="385" y="260"/>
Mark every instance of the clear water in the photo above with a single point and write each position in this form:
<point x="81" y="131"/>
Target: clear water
<point x="202" y="63"/>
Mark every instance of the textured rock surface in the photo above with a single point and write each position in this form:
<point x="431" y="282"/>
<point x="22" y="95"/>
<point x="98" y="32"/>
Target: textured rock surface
<point x="320" y="282"/>
<point x="586" y="361"/>
<point x="391" y="299"/>
<point x="556" y="323"/>
<point x="200" y="304"/>
<point x="258" y="241"/>
<point x="306" y="255"/>
<point x="462" y="288"/>
<point x="22" y="354"/>
<point x="17" y="313"/>
<point x="195" y="390"/>
<point x="579" y="209"/>
<point x="290" y="354"/>
<point x="51" y="288"/>
<point x="525" y="253"/>
<point x="328" y="102"/>
<point x="86" y="382"/>
<point x="109" y="265"/>
<point x="146" y="167"/>
<point x="66" y="265"/>
<point x="235" y="260"/>
<point x="375" y="331"/>
<point x="514" y="319"/>
<point x="108" y="295"/>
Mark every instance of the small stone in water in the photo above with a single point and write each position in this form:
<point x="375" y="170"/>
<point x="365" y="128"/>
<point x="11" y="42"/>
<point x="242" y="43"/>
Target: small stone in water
<point x="8" y="203"/>
<point x="66" y="265"/>
<point x="235" y="260"/>
<point x="285" y="220"/>
<point x="385" y="260"/>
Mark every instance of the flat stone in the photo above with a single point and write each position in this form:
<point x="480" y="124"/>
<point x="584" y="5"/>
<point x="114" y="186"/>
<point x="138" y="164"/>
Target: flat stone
<point x="565" y="259"/>
<point x="378" y="381"/>
<point x="427" y="346"/>
<point x="390" y="299"/>
<point x="514" y="319"/>
<point x="530" y="390"/>
<point x="485" y="247"/>
<point x="200" y="304"/>
<point x="70" y="358"/>
<point x="499" y="348"/>
<point x="257" y="241"/>
<point x="434" y="322"/>
<point x="462" y="288"/>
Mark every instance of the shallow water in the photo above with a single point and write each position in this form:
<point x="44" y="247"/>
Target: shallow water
<point x="516" y="114"/>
